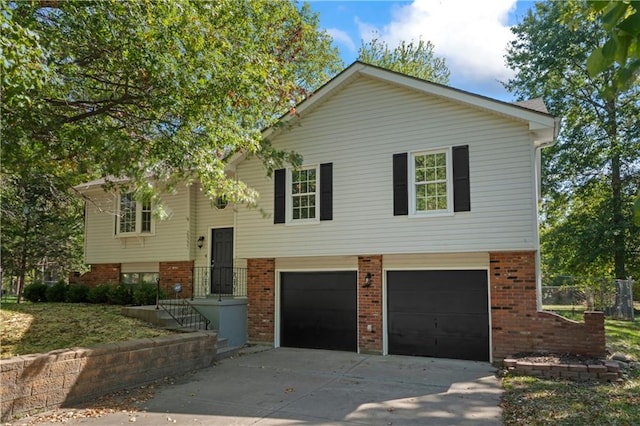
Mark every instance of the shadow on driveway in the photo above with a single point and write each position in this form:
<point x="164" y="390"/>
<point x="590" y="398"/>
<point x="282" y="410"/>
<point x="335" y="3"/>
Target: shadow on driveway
<point x="287" y="386"/>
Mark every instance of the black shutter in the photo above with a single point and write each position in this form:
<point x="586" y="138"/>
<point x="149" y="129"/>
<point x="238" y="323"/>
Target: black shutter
<point x="326" y="191"/>
<point x="461" y="187"/>
<point x="279" y="192"/>
<point x="400" y="185"/>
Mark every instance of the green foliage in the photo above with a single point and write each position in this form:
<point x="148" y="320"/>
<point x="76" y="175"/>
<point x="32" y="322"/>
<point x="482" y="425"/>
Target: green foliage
<point x="35" y="292"/>
<point x="41" y="221"/>
<point x="56" y="293"/>
<point x="590" y="176"/>
<point x="621" y="20"/>
<point x="121" y="294"/>
<point x="145" y="294"/>
<point x="413" y="58"/>
<point x="167" y="89"/>
<point x="99" y="294"/>
<point x="77" y="293"/>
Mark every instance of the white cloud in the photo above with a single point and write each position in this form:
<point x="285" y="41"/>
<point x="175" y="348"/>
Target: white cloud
<point x="342" y="38"/>
<point x="472" y="35"/>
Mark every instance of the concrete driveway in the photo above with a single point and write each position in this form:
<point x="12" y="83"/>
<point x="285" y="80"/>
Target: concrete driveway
<point x="288" y="386"/>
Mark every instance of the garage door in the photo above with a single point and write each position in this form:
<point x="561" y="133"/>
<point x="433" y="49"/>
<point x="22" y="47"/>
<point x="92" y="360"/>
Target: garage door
<point x="318" y="310"/>
<point x="438" y="313"/>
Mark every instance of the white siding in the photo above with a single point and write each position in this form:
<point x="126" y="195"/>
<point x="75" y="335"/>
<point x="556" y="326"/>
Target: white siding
<point x="191" y="215"/>
<point x="207" y="218"/>
<point x="170" y="241"/>
<point x="358" y="130"/>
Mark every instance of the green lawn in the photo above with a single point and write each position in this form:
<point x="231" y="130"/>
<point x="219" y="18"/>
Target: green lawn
<point x="532" y="401"/>
<point x="41" y="327"/>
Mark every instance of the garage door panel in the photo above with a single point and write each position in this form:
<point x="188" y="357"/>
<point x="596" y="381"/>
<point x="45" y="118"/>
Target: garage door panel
<point x="318" y="310"/>
<point x="438" y="313"/>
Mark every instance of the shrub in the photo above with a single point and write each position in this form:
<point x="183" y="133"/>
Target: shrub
<point x="122" y="294"/>
<point x="36" y="292"/>
<point x="99" y="293"/>
<point x="77" y="293"/>
<point x="145" y="294"/>
<point x="56" y="293"/>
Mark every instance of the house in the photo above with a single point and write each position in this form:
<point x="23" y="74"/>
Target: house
<point x="410" y="228"/>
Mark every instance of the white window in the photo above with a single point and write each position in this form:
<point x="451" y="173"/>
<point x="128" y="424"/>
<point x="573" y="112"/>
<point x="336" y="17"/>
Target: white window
<point x="431" y="173"/>
<point x="134" y="217"/>
<point x="303" y="195"/>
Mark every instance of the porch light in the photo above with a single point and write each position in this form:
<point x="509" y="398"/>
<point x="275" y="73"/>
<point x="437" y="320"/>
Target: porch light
<point x="200" y="241"/>
<point x="367" y="280"/>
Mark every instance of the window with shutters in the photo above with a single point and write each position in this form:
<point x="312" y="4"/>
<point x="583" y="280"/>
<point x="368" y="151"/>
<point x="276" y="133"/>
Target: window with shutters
<point x="431" y="182"/>
<point x="303" y="195"/>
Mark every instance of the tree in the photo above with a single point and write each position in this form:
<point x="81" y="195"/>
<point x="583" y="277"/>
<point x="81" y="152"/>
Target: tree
<point x="161" y="89"/>
<point x="414" y="58"/>
<point x="41" y="224"/>
<point x="592" y="173"/>
<point x="158" y="92"/>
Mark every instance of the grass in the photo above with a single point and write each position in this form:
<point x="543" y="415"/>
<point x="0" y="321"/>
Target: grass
<point x="533" y="401"/>
<point x="42" y="327"/>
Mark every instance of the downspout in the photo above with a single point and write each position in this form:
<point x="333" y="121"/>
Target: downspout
<point x="539" y="145"/>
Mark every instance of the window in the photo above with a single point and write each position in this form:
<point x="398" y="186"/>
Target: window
<point x="431" y="182"/>
<point x="139" y="278"/>
<point x="134" y="217"/>
<point x="428" y="182"/>
<point x="303" y="194"/>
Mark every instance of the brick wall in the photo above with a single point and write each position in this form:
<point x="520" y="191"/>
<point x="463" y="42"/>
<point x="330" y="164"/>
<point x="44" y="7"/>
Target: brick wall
<point x="101" y="273"/>
<point x="261" y="302"/>
<point x="60" y="378"/>
<point x="171" y="273"/>
<point x="516" y="324"/>
<point x="370" y="305"/>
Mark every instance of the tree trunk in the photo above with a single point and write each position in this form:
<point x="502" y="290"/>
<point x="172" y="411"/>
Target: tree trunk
<point x="616" y="195"/>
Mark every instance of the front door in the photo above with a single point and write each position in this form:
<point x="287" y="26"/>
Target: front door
<point x="222" y="261"/>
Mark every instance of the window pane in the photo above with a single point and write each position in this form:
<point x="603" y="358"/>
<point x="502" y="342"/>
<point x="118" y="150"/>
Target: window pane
<point x="149" y="277"/>
<point x="146" y="217"/>
<point x="303" y="189"/>
<point x="127" y="213"/>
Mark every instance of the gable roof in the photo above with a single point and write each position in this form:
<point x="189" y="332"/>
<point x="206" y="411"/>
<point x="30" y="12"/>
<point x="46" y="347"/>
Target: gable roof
<point x="543" y="125"/>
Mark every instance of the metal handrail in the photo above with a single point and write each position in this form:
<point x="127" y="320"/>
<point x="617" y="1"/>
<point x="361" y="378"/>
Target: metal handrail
<point x="185" y="314"/>
<point x="220" y="281"/>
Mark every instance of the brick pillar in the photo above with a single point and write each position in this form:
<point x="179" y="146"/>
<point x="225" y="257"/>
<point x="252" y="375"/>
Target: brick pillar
<point x="261" y="300"/>
<point x="512" y="278"/>
<point x="171" y="273"/>
<point x="370" y="305"/>
<point x="101" y="273"/>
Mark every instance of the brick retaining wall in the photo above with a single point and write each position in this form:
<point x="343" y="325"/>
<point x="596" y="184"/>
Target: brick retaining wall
<point x="55" y="379"/>
<point x="608" y="372"/>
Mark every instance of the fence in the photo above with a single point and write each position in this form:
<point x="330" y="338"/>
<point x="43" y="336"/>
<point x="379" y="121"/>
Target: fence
<point x="611" y="296"/>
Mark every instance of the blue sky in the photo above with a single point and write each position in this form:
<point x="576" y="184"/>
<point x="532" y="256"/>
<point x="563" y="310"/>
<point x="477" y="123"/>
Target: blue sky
<point x="470" y="34"/>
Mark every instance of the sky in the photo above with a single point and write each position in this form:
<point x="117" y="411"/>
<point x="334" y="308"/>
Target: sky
<point x="472" y="35"/>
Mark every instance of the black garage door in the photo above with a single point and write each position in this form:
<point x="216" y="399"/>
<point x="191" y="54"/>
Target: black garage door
<point x="318" y="310"/>
<point x="438" y="313"/>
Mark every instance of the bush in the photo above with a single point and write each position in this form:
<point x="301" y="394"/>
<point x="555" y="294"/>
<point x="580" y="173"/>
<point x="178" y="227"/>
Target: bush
<point x="99" y="294"/>
<point x="145" y="294"/>
<point x="77" y="293"/>
<point x="56" y="293"/>
<point x="122" y="294"/>
<point x="36" y="292"/>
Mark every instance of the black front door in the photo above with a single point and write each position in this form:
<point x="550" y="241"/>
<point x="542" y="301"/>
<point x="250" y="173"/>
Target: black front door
<point x="222" y="261"/>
